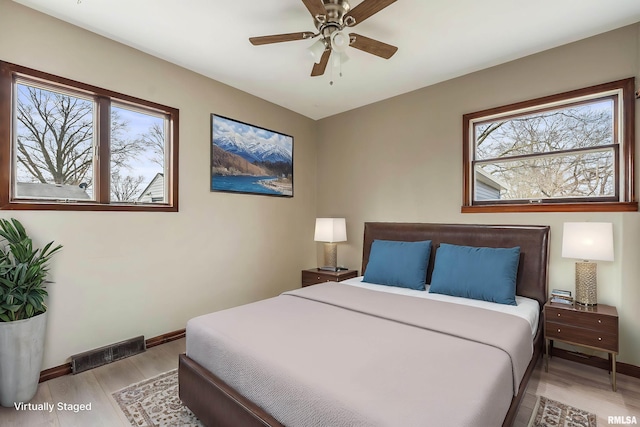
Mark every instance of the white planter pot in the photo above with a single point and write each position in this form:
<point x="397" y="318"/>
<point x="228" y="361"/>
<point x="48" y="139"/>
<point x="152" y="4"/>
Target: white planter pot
<point x="21" y="351"/>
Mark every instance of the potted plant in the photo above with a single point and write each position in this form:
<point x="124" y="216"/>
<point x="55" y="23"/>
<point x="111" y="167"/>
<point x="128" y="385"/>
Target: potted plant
<point x="23" y="312"/>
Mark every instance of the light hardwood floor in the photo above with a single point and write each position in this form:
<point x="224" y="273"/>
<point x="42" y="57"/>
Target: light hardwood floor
<point x="94" y="386"/>
<point x="568" y="382"/>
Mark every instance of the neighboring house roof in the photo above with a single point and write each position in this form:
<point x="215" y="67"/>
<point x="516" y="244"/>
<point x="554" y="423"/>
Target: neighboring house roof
<point x="490" y="180"/>
<point x="53" y="191"/>
<point x="146" y="194"/>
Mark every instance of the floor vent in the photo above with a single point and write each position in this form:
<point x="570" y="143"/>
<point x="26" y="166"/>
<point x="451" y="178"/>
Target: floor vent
<point x="107" y="354"/>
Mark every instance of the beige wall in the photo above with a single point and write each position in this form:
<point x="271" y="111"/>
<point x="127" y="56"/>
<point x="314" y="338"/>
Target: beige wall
<point x="401" y="160"/>
<point x="123" y="274"/>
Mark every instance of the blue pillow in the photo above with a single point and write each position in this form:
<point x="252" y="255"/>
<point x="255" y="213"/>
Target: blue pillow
<point x="402" y="264"/>
<point x="487" y="274"/>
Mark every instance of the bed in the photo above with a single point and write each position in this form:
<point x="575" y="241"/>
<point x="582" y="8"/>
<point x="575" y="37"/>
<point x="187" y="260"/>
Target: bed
<point x="335" y="354"/>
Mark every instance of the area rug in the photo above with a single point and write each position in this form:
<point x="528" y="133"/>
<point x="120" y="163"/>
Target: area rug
<point x="550" y="413"/>
<point x="155" y="403"/>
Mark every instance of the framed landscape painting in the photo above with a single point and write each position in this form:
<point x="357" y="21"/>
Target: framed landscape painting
<point x="250" y="159"/>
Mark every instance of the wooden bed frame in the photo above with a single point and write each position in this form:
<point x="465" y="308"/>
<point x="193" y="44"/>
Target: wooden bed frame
<point x="217" y="404"/>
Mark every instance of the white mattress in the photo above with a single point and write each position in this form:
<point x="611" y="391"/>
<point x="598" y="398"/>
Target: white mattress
<point x="527" y="308"/>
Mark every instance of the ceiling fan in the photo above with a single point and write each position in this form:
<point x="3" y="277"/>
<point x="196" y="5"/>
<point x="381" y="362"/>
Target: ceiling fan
<point x="331" y="18"/>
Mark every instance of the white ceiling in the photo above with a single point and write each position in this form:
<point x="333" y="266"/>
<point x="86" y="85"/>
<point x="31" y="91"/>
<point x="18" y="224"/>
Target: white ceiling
<point x="437" y="40"/>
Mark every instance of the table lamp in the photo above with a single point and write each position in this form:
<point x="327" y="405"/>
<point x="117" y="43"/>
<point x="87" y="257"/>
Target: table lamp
<point x="330" y="231"/>
<point x="587" y="241"/>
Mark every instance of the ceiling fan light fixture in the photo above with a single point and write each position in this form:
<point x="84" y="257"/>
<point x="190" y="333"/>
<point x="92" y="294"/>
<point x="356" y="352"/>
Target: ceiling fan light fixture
<point x="316" y="50"/>
<point x="339" y="41"/>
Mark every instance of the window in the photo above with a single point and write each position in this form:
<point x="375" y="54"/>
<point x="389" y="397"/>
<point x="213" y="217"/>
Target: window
<point x="568" y="152"/>
<point x="70" y="146"/>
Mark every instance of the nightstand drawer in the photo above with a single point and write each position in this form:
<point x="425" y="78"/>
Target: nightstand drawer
<point x="315" y="276"/>
<point x="582" y="336"/>
<point x="594" y="321"/>
<point x="313" y="279"/>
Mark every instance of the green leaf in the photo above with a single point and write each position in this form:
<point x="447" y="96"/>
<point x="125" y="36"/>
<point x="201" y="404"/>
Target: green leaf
<point x="12" y="308"/>
<point x="35" y="301"/>
<point x="23" y="272"/>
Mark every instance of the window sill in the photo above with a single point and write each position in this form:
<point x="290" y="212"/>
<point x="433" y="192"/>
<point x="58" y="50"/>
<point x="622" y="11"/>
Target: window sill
<point x="74" y="206"/>
<point x="555" y="207"/>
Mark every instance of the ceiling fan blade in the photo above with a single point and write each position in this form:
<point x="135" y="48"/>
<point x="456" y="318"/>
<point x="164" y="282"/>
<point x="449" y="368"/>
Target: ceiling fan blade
<point x="367" y="8"/>
<point x="372" y="46"/>
<point x="277" y="38"/>
<point x="316" y="7"/>
<point x="318" y="69"/>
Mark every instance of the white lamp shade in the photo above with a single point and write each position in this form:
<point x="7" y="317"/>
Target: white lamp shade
<point x="330" y="230"/>
<point x="316" y="50"/>
<point x="589" y="241"/>
<point x="339" y="41"/>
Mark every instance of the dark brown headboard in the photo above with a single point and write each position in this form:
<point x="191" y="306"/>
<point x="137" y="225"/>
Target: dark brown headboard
<point x="533" y="241"/>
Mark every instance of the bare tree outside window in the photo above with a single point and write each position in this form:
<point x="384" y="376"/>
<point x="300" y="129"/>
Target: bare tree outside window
<point x="154" y="141"/>
<point x="563" y="153"/>
<point x="137" y="156"/>
<point x="54" y="143"/>
<point x="126" y="188"/>
<point x="55" y="147"/>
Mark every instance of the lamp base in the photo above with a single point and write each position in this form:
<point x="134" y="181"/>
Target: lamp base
<point x="586" y="283"/>
<point x="331" y="255"/>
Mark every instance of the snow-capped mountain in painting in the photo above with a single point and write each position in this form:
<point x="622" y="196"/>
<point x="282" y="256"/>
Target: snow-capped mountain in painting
<point x="253" y="151"/>
<point x="252" y="143"/>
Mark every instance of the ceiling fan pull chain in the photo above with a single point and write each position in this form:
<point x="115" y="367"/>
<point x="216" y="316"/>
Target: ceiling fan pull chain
<point x="331" y="81"/>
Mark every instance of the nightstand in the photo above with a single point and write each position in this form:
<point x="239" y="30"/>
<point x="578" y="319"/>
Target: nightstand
<point x="315" y="276"/>
<point x="592" y="327"/>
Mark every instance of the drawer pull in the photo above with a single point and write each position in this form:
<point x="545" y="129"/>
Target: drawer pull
<point x="558" y="314"/>
<point x="599" y="339"/>
<point x="599" y="321"/>
<point x="318" y="277"/>
<point x="558" y="330"/>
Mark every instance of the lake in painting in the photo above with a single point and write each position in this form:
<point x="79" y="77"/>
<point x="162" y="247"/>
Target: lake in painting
<point x="244" y="184"/>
